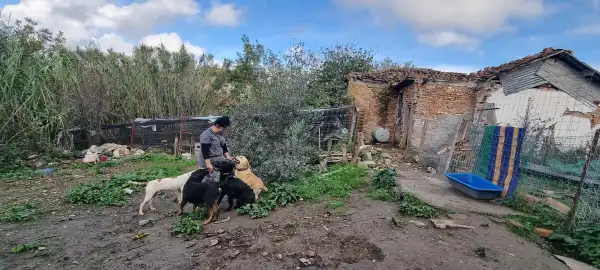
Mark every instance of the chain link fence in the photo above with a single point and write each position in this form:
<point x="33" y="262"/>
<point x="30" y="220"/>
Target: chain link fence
<point x="558" y="136"/>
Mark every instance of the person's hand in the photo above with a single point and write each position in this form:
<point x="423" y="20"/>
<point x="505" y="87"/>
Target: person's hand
<point x="210" y="167"/>
<point x="229" y="157"/>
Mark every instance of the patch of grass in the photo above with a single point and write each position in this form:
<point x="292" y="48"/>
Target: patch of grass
<point x="190" y="223"/>
<point x="338" y="182"/>
<point x="23" y="212"/>
<point x="20" y="174"/>
<point x="154" y="157"/>
<point x="383" y="194"/>
<point x="111" y="191"/>
<point x="335" y="204"/>
<point x="384" y="179"/>
<point x="410" y="205"/>
<point x="20" y="248"/>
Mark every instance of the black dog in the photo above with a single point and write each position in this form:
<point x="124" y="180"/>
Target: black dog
<point x="234" y="188"/>
<point x="199" y="193"/>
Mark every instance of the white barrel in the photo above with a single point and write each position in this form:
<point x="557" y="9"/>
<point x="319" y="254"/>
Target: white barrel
<point x="381" y="134"/>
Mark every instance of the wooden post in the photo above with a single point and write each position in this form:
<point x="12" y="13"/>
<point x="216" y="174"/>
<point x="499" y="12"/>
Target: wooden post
<point x="577" y="197"/>
<point x="180" y="133"/>
<point x="132" y="132"/>
<point x="344" y="151"/>
<point x="358" y="143"/>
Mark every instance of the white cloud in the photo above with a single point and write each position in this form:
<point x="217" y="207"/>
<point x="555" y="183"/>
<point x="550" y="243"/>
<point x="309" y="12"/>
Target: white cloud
<point x="454" y="68"/>
<point x="172" y="42"/>
<point x="106" y="23"/>
<point x="467" y="17"/>
<point x="591" y="29"/>
<point x="224" y="15"/>
<point x="449" y="38"/>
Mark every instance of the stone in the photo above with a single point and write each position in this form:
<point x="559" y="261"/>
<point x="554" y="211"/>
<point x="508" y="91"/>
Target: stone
<point x="431" y="170"/>
<point x="367" y="164"/>
<point x="418" y="223"/>
<point x="254" y="248"/>
<point x="116" y="153"/>
<point x="386" y="155"/>
<point x="220" y="231"/>
<point x="145" y="222"/>
<point x="387" y="162"/>
<point x="190" y="244"/>
<point x="214" y="242"/>
<point x="234" y="253"/>
<point x="265" y="253"/>
<point x="311" y="253"/>
<point x="279" y="256"/>
<point x="305" y="261"/>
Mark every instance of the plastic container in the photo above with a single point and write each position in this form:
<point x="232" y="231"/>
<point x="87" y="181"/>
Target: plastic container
<point x="381" y="134"/>
<point x="474" y="186"/>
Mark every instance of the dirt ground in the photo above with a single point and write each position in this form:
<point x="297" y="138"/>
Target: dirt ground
<point x="361" y="235"/>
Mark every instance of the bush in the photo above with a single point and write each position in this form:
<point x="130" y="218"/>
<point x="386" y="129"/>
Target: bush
<point x="384" y="179"/>
<point x="279" y="194"/>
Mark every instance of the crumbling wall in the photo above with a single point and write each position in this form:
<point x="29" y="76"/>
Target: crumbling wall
<point x="372" y="111"/>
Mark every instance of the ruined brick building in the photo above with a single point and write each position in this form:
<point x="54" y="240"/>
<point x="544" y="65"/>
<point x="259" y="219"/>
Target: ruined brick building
<point x="425" y="109"/>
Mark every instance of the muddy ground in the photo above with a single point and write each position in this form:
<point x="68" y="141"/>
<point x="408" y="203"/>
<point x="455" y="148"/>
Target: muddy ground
<point x="360" y="235"/>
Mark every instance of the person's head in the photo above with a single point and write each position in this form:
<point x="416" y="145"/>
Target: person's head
<point x="221" y="123"/>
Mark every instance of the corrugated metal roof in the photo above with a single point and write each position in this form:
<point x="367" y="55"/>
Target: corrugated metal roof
<point x="522" y="78"/>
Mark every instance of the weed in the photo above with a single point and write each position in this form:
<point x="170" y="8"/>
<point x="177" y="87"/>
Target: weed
<point x="384" y="179"/>
<point x="337" y="183"/>
<point x="383" y="194"/>
<point x="583" y="243"/>
<point x="155" y="158"/>
<point x="20" y="248"/>
<point x="20" y="174"/>
<point x="111" y="191"/>
<point x="256" y="210"/>
<point x="413" y="206"/>
<point x="190" y="223"/>
<point x="335" y="204"/>
<point x="23" y="212"/>
<point x="279" y="194"/>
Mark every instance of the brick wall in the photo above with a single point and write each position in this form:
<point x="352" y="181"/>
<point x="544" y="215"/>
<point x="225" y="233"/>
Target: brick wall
<point x="366" y="96"/>
<point x="438" y="102"/>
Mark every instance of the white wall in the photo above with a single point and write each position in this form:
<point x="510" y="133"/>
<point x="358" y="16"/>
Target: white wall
<point x="569" y="132"/>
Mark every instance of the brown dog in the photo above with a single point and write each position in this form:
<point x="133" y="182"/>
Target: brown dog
<point x="244" y="173"/>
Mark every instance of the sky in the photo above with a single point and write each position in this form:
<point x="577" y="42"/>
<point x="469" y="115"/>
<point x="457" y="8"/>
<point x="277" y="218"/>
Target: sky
<point x="448" y="35"/>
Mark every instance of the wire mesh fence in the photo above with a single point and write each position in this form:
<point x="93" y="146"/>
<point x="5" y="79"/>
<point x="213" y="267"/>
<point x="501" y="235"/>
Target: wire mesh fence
<point x="558" y="133"/>
<point x="328" y="126"/>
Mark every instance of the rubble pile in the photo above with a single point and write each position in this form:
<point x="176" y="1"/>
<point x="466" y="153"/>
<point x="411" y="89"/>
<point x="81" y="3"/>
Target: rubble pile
<point x="109" y="149"/>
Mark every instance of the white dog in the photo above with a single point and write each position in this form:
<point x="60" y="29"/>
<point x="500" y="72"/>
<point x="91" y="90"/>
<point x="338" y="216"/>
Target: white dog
<point x="162" y="184"/>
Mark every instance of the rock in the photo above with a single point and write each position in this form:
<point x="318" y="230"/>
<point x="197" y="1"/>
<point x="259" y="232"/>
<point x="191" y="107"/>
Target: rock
<point x="431" y="170"/>
<point x="386" y="155"/>
<point x="32" y="156"/>
<point x="387" y="162"/>
<point x="311" y="253"/>
<point x="480" y="251"/>
<point x="116" y="153"/>
<point x="214" y="242"/>
<point x="190" y="244"/>
<point x="254" y="248"/>
<point x="458" y="216"/>
<point x="305" y="261"/>
<point x="128" y="191"/>
<point x="367" y="164"/>
<point x="220" y="231"/>
<point x="397" y="222"/>
<point x="265" y="253"/>
<point x="279" y="257"/>
<point x="444" y="223"/>
<point x="145" y="222"/>
<point x="416" y="159"/>
<point x="234" y="253"/>
<point x="418" y="223"/>
<point x="186" y="156"/>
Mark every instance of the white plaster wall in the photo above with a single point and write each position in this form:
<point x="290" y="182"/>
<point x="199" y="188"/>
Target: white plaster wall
<point x="570" y="132"/>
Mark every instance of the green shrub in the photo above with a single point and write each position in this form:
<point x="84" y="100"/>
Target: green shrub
<point x="20" y="248"/>
<point x="190" y="223"/>
<point x="338" y="182"/>
<point x="23" y="212"/>
<point x="384" y="179"/>
<point x="413" y="206"/>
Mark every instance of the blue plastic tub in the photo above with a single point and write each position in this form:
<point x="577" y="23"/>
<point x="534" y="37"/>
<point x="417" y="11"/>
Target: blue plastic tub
<point x="474" y="186"/>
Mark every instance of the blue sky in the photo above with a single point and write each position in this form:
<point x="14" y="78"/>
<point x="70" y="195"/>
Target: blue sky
<point x="458" y="35"/>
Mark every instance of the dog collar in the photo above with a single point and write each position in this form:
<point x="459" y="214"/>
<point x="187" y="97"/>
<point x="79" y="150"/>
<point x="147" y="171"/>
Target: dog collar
<point x="242" y="170"/>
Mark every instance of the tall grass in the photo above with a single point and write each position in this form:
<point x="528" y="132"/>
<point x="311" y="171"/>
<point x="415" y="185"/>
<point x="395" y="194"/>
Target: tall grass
<point x="46" y="87"/>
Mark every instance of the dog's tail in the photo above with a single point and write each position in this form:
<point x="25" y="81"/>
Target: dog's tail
<point x="138" y="183"/>
<point x="265" y="188"/>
